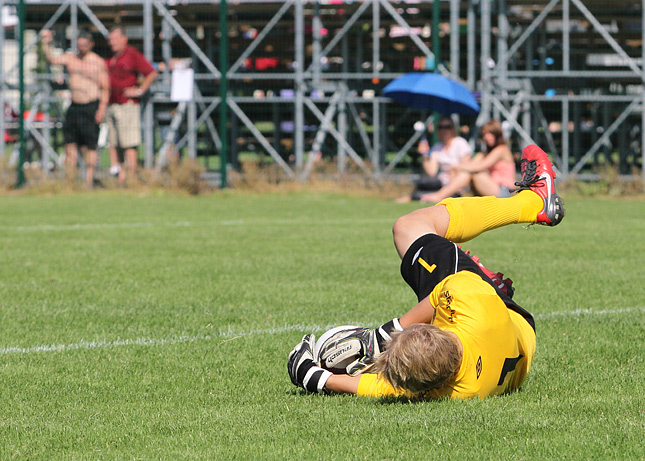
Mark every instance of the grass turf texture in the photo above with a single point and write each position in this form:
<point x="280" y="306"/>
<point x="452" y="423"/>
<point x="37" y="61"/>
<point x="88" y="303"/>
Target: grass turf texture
<point x="159" y="326"/>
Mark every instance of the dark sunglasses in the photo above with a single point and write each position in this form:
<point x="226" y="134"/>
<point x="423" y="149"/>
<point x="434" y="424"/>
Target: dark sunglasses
<point x="445" y="127"/>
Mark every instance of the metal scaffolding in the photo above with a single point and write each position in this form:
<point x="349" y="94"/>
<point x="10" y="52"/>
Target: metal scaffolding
<point x="565" y="74"/>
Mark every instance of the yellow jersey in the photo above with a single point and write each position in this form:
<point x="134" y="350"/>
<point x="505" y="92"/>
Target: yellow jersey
<point x="498" y="343"/>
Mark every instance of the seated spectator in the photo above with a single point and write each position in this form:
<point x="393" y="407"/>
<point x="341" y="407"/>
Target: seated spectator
<point x="488" y="173"/>
<point x="449" y="152"/>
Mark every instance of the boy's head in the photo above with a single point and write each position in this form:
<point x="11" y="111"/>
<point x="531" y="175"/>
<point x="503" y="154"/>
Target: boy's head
<point x="420" y="358"/>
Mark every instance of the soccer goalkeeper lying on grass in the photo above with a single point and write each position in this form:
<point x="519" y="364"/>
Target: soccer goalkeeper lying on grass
<point x="466" y="337"/>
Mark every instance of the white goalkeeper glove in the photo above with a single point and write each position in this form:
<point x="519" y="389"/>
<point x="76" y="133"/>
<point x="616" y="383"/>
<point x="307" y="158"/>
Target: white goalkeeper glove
<point x="374" y="344"/>
<point x="303" y="370"/>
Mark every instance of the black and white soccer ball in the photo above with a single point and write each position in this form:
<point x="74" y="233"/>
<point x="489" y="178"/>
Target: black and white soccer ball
<point x="338" y="351"/>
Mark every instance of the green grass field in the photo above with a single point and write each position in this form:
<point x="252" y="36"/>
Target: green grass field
<point x="158" y="326"/>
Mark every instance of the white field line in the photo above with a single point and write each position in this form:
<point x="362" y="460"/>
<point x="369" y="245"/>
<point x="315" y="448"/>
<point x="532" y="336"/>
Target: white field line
<point x="134" y="225"/>
<point x="581" y="312"/>
<point x="230" y="334"/>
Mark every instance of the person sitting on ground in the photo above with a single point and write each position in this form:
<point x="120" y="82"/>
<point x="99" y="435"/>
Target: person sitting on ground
<point x="449" y="152"/>
<point x="466" y="337"/>
<point x="488" y="173"/>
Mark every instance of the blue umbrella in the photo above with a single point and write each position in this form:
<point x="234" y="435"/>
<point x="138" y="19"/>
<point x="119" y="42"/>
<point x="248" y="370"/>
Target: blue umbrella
<point x="432" y="92"/>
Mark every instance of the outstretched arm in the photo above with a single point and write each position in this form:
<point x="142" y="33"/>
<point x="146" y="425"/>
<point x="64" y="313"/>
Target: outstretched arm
<point x="343" y="384"/>
<point x="423" y="312"/>
<point x="46" y="37"/>
<point x="458" y="181"/>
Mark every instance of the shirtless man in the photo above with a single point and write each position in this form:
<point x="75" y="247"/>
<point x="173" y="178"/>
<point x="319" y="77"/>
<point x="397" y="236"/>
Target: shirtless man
<point x="90" y="88"/>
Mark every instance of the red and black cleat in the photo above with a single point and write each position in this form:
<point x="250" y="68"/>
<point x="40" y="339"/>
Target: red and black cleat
<point x="538" y="176"/>
<point x="504" y="284"/>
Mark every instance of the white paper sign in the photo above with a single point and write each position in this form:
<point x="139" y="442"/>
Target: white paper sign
<point x="181" y="87"/>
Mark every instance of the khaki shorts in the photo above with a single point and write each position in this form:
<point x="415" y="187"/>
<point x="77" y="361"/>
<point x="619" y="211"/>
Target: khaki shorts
<point x="124" y="122"/>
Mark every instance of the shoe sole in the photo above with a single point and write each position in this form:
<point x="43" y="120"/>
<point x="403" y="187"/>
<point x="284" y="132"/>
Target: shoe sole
<point x="558" y="211"/>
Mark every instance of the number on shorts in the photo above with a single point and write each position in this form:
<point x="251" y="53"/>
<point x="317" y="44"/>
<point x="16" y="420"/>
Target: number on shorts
<point x="509" y="365"/>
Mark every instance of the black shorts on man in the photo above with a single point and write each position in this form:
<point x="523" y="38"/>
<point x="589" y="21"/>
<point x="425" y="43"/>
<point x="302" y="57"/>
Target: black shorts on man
<point x="80" y="128"/>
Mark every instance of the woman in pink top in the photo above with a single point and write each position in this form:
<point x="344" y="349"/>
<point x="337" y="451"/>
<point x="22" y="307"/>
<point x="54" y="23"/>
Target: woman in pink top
<point x="488" y="173"/>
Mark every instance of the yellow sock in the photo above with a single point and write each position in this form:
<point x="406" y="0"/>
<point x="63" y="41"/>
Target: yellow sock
<point x="470" y="216"/>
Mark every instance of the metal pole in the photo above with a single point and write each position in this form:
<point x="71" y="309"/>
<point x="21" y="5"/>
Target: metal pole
<point x="454" y="37"/>
<point x="342" y="115"/>
<point x="44" y="156"/>
<point x="376" y="41"/>
<point x="299" y="117"/>
<point x="502" y="41"/>
<point x="316" y="45"/>
<point x="166" y="51"/>
<point x="192" y="132"/>
<point x="485" y="61"/>
<point x="2" y="100"/>
<point x="223" y="93"/>
<point x="148" y="115"/>
<point x="526" y="109"/>
<point x="566" y="61"/>
<point x="20" y="180"/>
<point x="436" y="40"/>
<point x="342" y="129"/>
<point x="643" y="91"/>
<point x="376" y="58"/>
<point x="436" y="50"/>
<point x="73" y="11"/>
<point x="502" y="49"/>
<point x="565" y="139"/>
<point x="470" y="45"/>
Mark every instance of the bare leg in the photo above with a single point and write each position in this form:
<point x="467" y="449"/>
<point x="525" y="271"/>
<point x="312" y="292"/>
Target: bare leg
<point x="114" y="157"/>
<point x="483" y="184"/>
<point x="90" y="161"/>
<point x="131" y="162"/>
<point x="429" y="220"/>
<point x="457" y="183"/>
<point x="71" y="155"/>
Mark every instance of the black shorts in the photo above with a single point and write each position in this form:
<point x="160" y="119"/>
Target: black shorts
<point x="79" y="127"/>
<point x="431" y="250"/>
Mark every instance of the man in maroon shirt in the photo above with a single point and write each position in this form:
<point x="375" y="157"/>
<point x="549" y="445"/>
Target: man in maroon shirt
<point x="124" y="113"/>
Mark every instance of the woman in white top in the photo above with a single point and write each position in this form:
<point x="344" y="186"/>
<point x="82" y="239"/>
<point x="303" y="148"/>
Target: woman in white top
<point x="445" y="155"/>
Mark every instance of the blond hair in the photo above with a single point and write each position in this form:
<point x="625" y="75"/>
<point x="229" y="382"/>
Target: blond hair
<point x="419" y="358"/>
